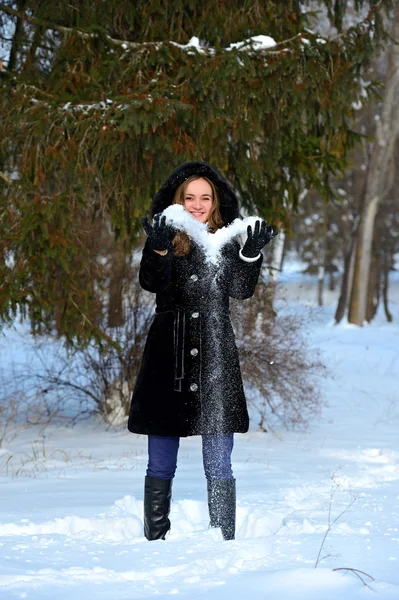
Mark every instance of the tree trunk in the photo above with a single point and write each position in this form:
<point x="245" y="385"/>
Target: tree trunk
<point x="320" y="285"/>
<point x="17" y="38"/>
<point x="385" y="284"/>
<point x="275" y="269"/>
<point x="322" y="229"/>
<point x="387" y="132"/>
<point x="373" y="292"/>
<point x="37" y="38"/>
<point x="277" y="257"/>
<point x="347" y="278"/>
<point x="331" y="281"/>
<point x="358" y="300"/>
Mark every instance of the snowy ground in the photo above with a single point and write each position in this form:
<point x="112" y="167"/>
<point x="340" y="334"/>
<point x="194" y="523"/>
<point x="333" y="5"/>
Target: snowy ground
<point x="71" y="499"/>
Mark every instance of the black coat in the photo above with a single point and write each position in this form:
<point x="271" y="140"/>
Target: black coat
<point x="190" y="381"/>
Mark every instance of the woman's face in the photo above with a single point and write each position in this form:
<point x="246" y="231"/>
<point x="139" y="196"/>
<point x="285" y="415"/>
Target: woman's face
<point x="198" y="199"/>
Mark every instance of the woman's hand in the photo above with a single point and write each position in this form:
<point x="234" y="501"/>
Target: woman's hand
<point x="158" y="233"/>
<point x="261" y="235"/>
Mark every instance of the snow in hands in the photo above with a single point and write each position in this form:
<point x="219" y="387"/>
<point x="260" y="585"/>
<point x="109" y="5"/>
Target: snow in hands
<point x="212" y="243"/>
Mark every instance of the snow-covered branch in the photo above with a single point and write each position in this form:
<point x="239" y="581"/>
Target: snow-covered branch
<point x="259" y="42"/>
<point x="256" y="43"/>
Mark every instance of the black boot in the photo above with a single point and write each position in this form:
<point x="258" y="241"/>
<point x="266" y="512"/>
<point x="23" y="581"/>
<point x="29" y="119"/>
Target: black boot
<point x="157" y="495"/>
<point x="222" y="505"/>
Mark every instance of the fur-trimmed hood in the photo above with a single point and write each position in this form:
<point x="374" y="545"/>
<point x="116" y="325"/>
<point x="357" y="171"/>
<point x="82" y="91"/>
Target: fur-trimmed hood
<point x="228" y="201"/>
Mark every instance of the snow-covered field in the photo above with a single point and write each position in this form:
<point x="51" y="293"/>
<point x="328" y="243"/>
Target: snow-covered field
<point x="71" y="498"/>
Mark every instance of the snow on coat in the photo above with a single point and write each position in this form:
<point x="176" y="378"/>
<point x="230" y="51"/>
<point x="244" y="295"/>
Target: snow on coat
<point x="190" y="380"/>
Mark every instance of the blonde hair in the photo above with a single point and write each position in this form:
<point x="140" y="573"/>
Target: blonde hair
<point x="181" y="241"/>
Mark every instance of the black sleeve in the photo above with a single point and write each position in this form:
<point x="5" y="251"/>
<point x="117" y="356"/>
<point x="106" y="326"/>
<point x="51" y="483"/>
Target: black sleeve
<point x="155" y="270"/>
<point x="242" y="276"/>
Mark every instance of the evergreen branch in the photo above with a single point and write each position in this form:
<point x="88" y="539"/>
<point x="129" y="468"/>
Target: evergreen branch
<point x="125" y="43"/>
<point x="33" y="88"/>
<point x="87" y="321"/>
<point x="34" y="21"/>
<point x="6" y="179"/>
<point x="117" y="42"/>
<point x="84" y="34"/>
<point x="135" y="45"/>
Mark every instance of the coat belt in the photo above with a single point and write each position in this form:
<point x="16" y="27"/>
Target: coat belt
<point x="178" y="341"/>
<point x="179" y="331"/>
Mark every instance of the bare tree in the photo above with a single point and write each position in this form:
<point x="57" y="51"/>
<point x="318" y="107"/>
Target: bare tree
<point x="281" y="372"/>
<point x="378" y="181"/>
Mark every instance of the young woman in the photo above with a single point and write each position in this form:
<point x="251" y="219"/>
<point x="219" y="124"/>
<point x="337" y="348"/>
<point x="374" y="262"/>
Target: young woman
<point x="190" y="380"/>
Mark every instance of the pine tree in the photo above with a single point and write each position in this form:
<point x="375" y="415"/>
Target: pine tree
<point x="101" y="100"/>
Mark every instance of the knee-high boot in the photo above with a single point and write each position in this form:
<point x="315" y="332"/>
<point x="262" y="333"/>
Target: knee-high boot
<point x="157" y="496"/>
<point x="222" y="505"/>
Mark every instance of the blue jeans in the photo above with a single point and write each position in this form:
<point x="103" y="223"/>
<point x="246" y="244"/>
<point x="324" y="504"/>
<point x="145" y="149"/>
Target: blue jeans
<point x="216" y="455"/>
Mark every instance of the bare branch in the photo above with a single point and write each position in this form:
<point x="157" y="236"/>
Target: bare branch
<point x="331" y="524"/>
<point x="356" y="572"/>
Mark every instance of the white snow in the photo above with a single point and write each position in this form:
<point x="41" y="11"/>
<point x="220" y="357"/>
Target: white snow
<point x="258" y="42"/>
<point x="212" y="243"/>
<point x="193" y="43"/>
<point x="71" y="498"/>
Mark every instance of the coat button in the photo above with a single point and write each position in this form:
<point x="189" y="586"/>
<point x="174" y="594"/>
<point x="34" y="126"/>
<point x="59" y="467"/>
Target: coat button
<point x="195" y="315"/>
<point x="194" y="277"/>
<point x="193" y="387"/>
<point x="194" y="351"/>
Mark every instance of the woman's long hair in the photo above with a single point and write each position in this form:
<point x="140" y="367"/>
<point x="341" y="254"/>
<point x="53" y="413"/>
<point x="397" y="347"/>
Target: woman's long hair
<point x="181" y="241"/>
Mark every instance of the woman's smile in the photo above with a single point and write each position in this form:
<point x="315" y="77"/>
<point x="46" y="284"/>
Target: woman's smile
<point x="197" y="214"/>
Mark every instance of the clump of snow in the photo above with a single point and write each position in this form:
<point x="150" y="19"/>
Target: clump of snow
<point x="110" y="529"/>
<point x="193" y="43"/>
<point x="259" y="42"/>
<point x="256" y="42"/>
<point x="212" y="243"/>
<point x="357" y="105"/>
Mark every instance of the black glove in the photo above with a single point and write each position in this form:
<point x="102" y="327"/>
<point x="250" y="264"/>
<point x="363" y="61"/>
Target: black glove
<point x="261" y="236"/>
<point x="158" y="233"/>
